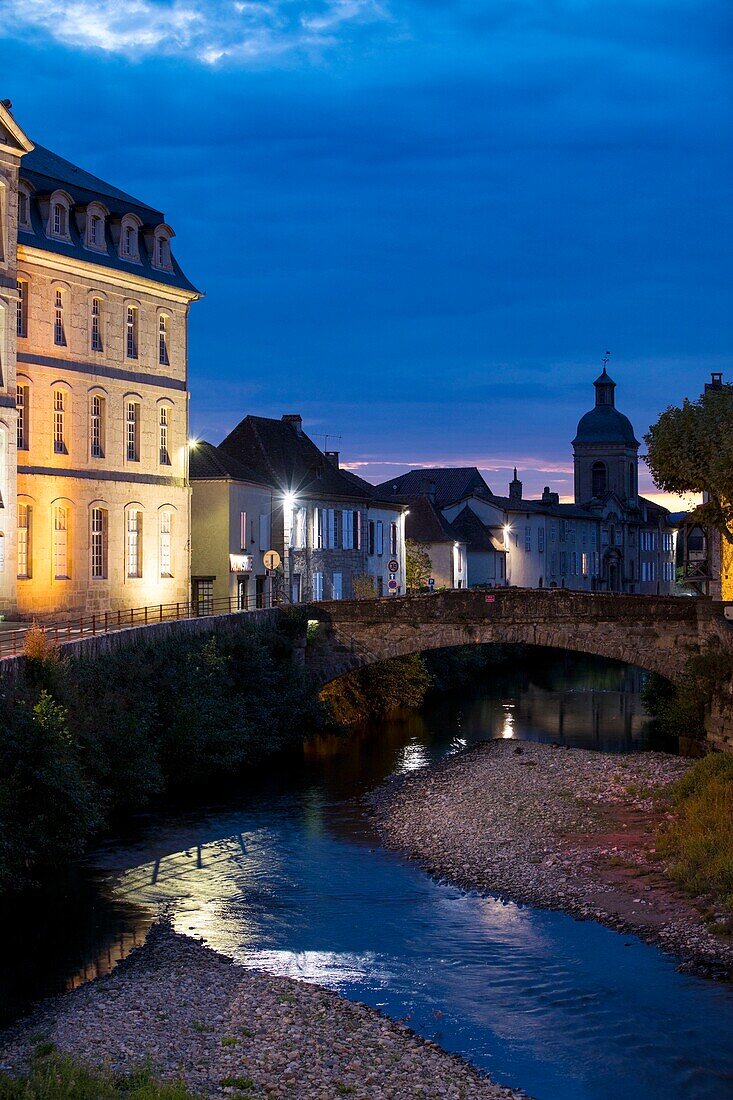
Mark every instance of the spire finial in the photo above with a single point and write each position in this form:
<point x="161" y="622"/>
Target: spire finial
<point x="605" y="359"/>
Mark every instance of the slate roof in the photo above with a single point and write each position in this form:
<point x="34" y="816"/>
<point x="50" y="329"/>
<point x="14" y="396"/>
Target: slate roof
<point x="605" y="424"/>
<point x="290" y="461"/>
<point x="425" y="523"/>
<point x="477" y="535"/>
<point x="451" y="483"/>
<point x="48" y="172"/>
<point x="207" y="463"/>
<point x="559" y="511"/>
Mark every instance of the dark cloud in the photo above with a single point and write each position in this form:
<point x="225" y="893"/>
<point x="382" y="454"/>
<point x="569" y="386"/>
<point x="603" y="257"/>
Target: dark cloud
<point x="428" y="238"/>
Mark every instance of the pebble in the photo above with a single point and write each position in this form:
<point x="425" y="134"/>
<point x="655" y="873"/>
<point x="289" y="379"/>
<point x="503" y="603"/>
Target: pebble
<point x="173" y="1002"/>
<point x="483" y="820"/>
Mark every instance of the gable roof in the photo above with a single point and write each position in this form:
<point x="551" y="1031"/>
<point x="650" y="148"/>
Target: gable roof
<point x="451" y="483"/>
<point x="425" y="523"/>
<point x="288" y="460"/>
<point x="207" y="463"/>
<point x="469" y="528"/>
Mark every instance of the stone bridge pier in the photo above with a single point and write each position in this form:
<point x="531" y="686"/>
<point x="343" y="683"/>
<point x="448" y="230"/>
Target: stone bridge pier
<point x="656" y="633"/>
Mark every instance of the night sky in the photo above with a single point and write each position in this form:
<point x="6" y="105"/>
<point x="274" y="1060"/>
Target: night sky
<point x="420" y="224"/>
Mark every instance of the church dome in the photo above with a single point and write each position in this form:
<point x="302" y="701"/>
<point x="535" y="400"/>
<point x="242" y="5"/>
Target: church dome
<point x="604" y="423"/>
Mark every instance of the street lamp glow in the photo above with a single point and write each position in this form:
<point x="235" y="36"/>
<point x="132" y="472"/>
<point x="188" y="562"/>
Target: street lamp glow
<point x="193" y="443"/>
<point x="289" y="500"/>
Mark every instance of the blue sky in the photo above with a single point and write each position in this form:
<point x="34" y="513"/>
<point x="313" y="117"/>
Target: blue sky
<point x="420" y="223"/>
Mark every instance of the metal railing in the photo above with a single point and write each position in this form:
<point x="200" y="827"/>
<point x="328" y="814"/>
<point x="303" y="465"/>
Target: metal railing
<point x="88" y="626"/>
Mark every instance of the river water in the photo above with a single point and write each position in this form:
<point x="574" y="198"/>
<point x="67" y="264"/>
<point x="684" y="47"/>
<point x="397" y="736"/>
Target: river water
<point x="287" y="876"/>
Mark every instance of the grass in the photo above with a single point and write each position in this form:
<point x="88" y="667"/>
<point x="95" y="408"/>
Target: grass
<point x="54" y="1076"/>
<point x="698" y="844"/>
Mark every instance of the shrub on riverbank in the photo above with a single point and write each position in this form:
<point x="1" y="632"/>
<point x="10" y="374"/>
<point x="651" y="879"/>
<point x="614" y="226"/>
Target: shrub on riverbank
<point x="699" y="842"/>
<point x="374" y="691"/>
<point x="53" y="1076"/>
<point x="85" y="738"/>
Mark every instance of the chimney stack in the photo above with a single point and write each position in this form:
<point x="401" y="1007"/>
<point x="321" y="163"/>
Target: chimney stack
<point x="716" y="381"/>
<point x="295" y="420"/>
<point x="333" y="458"/>
<point x="515" y="487"/>
<point x="548" y="497"/>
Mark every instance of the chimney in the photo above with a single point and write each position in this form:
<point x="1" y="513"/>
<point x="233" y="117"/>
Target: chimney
<point x="548" y="497"/>
<point x="515" y="487"/>
<point x="716" y="381"/>
<point x="333" y="458"/>
<point x="295" y="420"/>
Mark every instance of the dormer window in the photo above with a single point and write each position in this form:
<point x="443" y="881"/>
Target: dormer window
<point x="58" y="216"/>
<point x="95" y="220"/>
<point x="129" y="248"/>
<point x="24" y="206"/>
<point x="59" y="220"/>
<point x="161" y="257"/>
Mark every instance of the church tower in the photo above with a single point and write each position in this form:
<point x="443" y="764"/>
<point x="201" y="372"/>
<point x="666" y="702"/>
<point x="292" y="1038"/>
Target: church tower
<point x="605" y="450"/>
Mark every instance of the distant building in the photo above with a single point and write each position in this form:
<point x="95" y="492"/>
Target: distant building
<point x="335" y="533"/>
<point x="94" y="495"/>
<point x="231" y="518"/>
<point x="610" y="539"/>
<point x="637" y="539"/>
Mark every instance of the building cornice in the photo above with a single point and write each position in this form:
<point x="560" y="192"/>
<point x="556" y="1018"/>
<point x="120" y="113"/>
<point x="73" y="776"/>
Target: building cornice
<point x="100" y="370"/>
<point x="125" y="280"/>
<point x="105" y="475"/>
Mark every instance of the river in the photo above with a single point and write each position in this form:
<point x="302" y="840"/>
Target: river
<point x="288" y="876"/>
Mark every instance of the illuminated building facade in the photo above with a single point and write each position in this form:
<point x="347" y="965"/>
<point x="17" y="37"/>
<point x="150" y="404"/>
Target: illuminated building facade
<point x="94" y="394"/>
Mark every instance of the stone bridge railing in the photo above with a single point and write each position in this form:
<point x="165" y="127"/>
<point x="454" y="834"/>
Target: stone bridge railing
<point x="656" y="633"/>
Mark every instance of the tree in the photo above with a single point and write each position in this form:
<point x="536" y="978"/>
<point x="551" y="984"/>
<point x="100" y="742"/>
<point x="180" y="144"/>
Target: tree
<point x="691" y="451"/>
<point x="418" y="564"/>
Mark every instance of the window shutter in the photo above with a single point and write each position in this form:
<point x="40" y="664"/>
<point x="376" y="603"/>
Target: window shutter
<point x="243" y="531"/>
<point x="264" y="531"/>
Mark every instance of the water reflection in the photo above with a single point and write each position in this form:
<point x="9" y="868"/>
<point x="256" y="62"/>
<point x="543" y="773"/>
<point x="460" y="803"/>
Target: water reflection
<point x="289" y="877"/>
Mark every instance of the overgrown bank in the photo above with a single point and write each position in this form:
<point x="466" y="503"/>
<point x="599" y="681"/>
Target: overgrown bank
<point x="85" y="738"/>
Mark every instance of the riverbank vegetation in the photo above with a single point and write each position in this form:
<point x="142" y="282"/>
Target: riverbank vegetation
<point x="54" y="1076"/>
<point x="85" y="738"/>
<point x="374" y="691"/>
<point x="698" y="843"/>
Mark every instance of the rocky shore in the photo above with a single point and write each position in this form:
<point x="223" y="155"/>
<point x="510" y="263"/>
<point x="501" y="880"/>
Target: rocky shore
<point x="558" y="828"/>
<point x="228" y="1031"/>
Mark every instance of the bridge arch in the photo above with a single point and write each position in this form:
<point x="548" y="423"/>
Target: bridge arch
<point x="658" y="634"/>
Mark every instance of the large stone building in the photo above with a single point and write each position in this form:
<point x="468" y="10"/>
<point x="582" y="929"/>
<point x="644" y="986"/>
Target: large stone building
<point x="95" y="508"/>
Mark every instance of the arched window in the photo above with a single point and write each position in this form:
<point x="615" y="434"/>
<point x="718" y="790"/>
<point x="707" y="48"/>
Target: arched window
<point x="24" y="206"/>
<point x="3" y="465"/>
<point x="59" y="422"/>
<point x="22" y="402"/>
<point x="95" y="236"/>
<point x="58" y="223"/>
<point x="134" y="543"/>
<point x="166" y="544"/>
<point x="96" y="426"/>
<point x="129" y="247"/>
<point x="132" y="430"/>
<point x="25" y="550"/>
<point x="164" y="424"/>
<point x="131" y="332"/>
<point x="599" y="479"/>
<point x="61" y="543"/>
<point x="95" y="328"/>
<point x="21" y="308"/>
<point x="59" y="321"/>
<point x="161" y="256"/>
<point x="98" y="525"/>
<point x="163" y="340"/>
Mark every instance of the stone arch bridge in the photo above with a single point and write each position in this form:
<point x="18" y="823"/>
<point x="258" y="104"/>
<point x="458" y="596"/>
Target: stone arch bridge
<point x="657" y="633"/>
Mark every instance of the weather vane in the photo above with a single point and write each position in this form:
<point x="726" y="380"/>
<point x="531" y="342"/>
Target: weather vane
<point x="605" y="359"/>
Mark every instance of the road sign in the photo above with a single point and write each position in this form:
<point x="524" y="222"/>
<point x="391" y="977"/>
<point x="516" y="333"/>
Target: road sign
<point x="393" y="566"/>
<point x="271" y="559"/>
<point x="392" y="586"/>
<point x="491" y="599"/>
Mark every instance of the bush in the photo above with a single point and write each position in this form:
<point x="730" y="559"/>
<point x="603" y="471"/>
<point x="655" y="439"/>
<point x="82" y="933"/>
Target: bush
<point x="373" y="691"/>
<point x="699" y="843"/>
<point x="85" y="738"/>
<point x="54" y="1076"/>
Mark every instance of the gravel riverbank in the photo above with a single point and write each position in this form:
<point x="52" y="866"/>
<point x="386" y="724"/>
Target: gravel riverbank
<point x="559" y="828"/>
<point x="228" y="1031"/>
